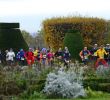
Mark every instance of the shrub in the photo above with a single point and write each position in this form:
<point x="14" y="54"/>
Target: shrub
<point x="74" y="41"/>
<point x="98" y="84"/>
<point x="11" y="38"/>
<point x="91" y="93"/>
<point x="64" y="84"/>
<point x="103" y="71"/>
<point x="37" y="95"/>
<point x="92" y="30"/>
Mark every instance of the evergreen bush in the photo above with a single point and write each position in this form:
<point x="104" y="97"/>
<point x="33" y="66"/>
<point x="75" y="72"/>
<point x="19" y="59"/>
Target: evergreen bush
<point x="11" y="37"/>
<point x="74" y="41"/>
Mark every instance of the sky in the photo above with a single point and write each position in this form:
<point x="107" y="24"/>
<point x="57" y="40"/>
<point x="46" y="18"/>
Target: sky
<point x="31" y="13"/>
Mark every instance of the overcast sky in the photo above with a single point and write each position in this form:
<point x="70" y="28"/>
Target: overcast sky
<point x="31" y="13"/>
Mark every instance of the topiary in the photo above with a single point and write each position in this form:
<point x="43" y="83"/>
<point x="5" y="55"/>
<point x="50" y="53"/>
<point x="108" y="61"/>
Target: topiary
<point x="11" y="37"/>
<point x="74" y="41"/>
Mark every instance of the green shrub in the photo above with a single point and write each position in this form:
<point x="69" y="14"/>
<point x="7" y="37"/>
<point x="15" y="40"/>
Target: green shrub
<point x="12" y="38"/>
<point x="73" y="40"/>
<point x="104" y="87"/>
<point x="97" y="84"/>
<point x="103" y="71"/>
<point x="35" y="87"/>
<point x="37" y="95"/>
<point x="34" y="96"/>
<point x="91" y="93"/>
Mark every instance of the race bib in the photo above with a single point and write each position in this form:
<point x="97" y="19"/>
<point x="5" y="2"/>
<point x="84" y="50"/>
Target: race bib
<point x="86" y="57"/>
<point x="22" y="58"/>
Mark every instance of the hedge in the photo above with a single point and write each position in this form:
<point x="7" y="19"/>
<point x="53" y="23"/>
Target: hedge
<point x="9" y="25"/>
<point x="74" y="41"/>
<point x="92" y="30"/>
<point x="12" y="38"/>
<point x="98" y="84"/>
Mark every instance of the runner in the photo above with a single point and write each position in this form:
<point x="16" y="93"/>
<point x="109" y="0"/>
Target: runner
<point x="94" y="49"/>
<point x="43" y="56"/>
<point x="84" y="54"/>
<point x="10" y="57"/>
<point x="107" y="48"/>
<point x="100" y="54"/>
<point x="50" y="57"/>
<point x="59" y="56"/>
<point x="21" y="57"/>
<point x="30" y="57"/>
<point x="66" y="57"/>
<point x="36" y="53"/>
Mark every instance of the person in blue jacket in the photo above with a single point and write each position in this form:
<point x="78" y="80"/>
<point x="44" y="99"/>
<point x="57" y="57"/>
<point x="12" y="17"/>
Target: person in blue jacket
<point x="21" y="57"/>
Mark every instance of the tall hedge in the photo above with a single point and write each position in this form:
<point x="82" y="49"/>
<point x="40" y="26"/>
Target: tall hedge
<point x="11" y="37"/>
<point x="9" y="25"/>
<point x="74" y="41"/>
<point x="92" y="30"/>
<point x="107" y="35"/>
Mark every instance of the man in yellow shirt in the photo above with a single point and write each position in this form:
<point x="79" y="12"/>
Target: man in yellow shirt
<point x="100" y="54"/>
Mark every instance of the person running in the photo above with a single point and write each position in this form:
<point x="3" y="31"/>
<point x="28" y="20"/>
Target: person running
<point x="10" y="56"/>
<point x="59" y="56"/>
<point x="100" y="54"/>
<point x="50" y="57"/>
<point x="84" y="54"/>
<point x="30" y="57"/>
<point x="39" y="57"/>
<point x="36" y="53"/>
<point x="66" y="57"/>
<point x="21" y="57"/>
<point x="107" y="48"/>
<point x="43" y="56"/>
<point x="93" y="50"/>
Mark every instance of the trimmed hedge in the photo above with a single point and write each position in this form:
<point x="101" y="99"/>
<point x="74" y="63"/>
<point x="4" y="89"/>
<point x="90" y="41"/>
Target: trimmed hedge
<point x="9" y="25"/>
<point x="74" y="41"/>
<point x="98" y="84"/>
<point x="12" y="38"/>
<point x="92" y="30"/>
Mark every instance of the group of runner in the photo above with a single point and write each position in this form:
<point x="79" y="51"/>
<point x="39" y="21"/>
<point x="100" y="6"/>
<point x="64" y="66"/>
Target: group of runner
<point x="42" y="56"/>
<point x="100" y="55"/>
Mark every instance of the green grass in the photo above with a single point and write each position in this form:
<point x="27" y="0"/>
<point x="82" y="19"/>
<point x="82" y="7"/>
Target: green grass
<point x="101" y="98"/>
<point x="105" y="97"/>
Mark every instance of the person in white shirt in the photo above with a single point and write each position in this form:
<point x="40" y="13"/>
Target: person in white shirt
<point x="10" y="56"/>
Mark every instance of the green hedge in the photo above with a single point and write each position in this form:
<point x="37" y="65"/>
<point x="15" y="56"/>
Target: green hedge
<point x="12" y="38"/>
<point x="74" y="41"/>
<point x="98" y="84"/>
<point x="9" y="25"/>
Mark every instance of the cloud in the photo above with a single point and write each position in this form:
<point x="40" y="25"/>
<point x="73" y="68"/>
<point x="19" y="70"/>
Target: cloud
<point x="31" y="13"/>
<point x="29" y="7"/>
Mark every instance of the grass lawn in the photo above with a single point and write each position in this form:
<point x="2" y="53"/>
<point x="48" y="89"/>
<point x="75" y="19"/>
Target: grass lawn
<point x="91" y="95"/>
<point x="105" y="97"/>
<point x="102" y="96"/>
